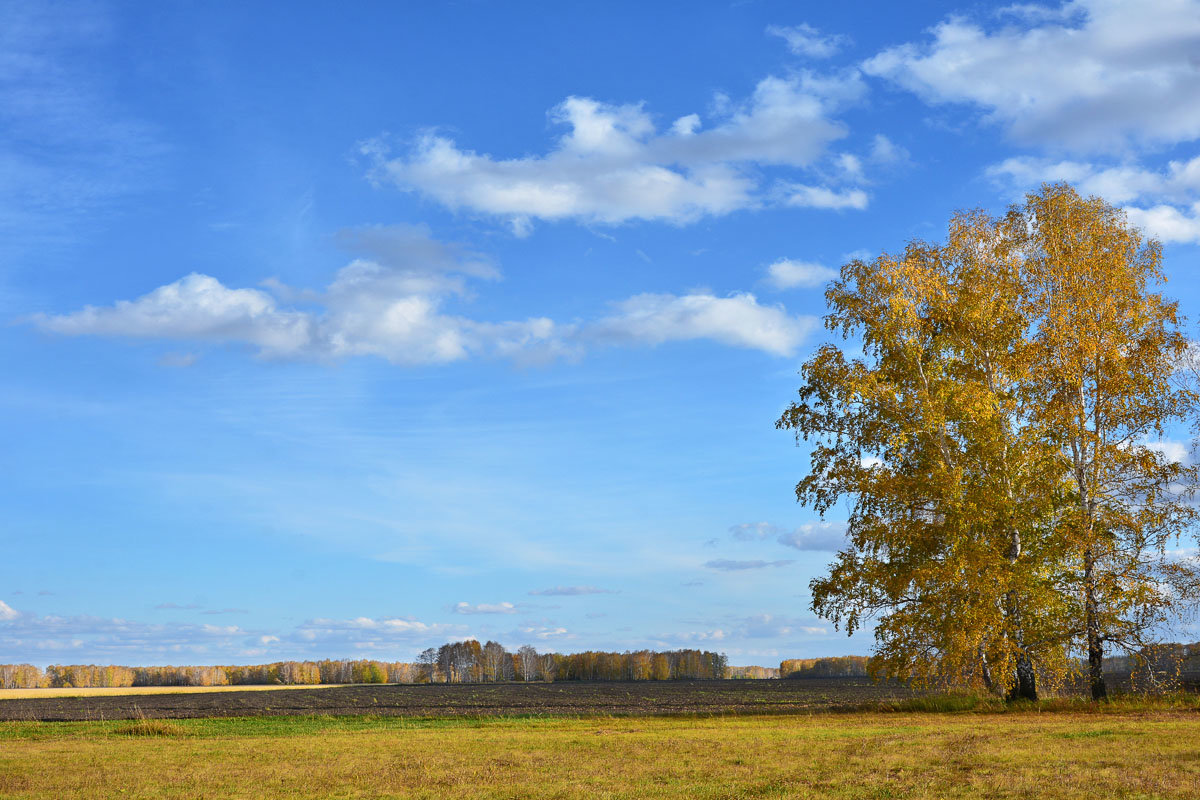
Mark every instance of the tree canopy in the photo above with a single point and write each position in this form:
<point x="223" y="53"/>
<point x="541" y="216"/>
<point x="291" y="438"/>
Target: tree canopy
<point x="995" y="438"/>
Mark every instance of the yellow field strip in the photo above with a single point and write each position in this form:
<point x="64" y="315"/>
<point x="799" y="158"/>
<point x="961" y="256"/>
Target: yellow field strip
<point x="26" y="694"/>
<point x="1018" y="756"/>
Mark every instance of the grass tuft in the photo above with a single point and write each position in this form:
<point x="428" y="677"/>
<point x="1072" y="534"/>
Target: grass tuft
<point x="151" y="727"/>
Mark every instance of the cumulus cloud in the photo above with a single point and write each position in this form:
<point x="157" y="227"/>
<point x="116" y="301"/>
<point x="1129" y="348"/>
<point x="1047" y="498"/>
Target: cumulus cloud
<point x="391" y="305"/>
<point x="1093" y="73"/>
<point x="738" y="320"/>
<point x="7" y="612"/>
<point x="805" y="40"/>
<point x="732" y="565"/>
<point x="614" y="164"/>
<point x="1168" y="223"/>
<point x="485" y="608"/>
<point x="571" y="591"/>
<point x="387" y="304"/>
<point x="1166" y="198"/>
<point x="787" y="273"/>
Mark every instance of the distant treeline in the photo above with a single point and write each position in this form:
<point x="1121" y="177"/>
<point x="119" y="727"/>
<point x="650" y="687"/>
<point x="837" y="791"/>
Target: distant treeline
<point x="457" y="662"/>
<point x="1154" y="666"/>
<point x="839" y="667"/>
<point x="756" y="673"/>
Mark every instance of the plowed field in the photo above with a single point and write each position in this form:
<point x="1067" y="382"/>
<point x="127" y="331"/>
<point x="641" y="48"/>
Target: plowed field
<point x="473" y="700"/>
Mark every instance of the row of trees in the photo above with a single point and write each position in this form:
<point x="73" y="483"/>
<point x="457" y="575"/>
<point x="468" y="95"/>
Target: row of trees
<point x="752" y="673"/>
<point x="80" y="676"/>
<point x="457" y="662"/>
<point x="470" y="662"/>
<point x="837" y="667"/>
<point x="995" y="424"/>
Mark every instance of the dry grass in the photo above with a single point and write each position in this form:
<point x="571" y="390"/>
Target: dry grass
<point x="861" y="755"/>
<point x="151" y="727"/>
<point x="27" y="694"/>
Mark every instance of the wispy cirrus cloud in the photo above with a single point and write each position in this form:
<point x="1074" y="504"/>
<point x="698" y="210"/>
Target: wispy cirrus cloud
<point x="735" y="565"/>
<point x="811" y="536"/>
<point x="571" y="591"/>
<point x="67" y="146"/>
<point x="757" y="626"/>
<point x="484" y="608"/>
<point x="805" y="40"/>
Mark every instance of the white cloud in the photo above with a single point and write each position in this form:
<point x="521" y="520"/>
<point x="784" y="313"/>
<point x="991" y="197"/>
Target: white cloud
<point x="7" y="612"/>
<point x="1174" y="218"/>
<point x="805" y="40"/>
<point x="803" y="196"/>
<point x="485" y="608"/>
<point x="1169" y="224"/>
<point x="388" y="304"/>
<point x="195" y="307"/>
<point x="811" y="536"/>
<point x="737" y="320"/>
<point x="816" y="536"/>
<point x="391" y="305"/>
<point x="885" y="151"/>
<point x="615" y="165"/>
<point x="1171" y="450"/>
<point x="1092" y="74"/>
<point x="544" y="633"/>
<point x="1119" y="183"/>
<point x="787" y="273"/>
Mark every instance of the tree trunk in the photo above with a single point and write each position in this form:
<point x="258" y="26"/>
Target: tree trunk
<point x="985" y="671"/>
<point x="1026" y="686"/>
<point x="1095" y="645"/>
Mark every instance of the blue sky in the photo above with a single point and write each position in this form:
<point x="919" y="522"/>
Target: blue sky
<point x="346" y="331"/>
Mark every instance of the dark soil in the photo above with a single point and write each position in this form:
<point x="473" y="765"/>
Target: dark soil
<point x="568" y="698"/>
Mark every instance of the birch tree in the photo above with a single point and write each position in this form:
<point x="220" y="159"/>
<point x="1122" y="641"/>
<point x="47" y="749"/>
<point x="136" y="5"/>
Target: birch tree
<point x="1107" y="352"/>
<point x="991" y="438"/>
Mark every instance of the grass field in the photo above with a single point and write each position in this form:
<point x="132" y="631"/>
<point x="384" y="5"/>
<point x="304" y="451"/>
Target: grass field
<point x="826" y="755"/>
<point x="30" y="694"/>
